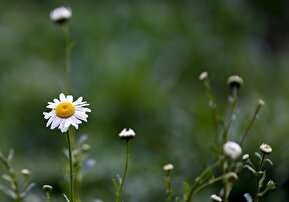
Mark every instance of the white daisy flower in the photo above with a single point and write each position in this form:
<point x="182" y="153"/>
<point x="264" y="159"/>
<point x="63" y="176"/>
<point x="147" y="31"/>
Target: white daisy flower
<point x="168" y="167"/>
<point x="126" y="134"/>
<point x="232" y="150"/>
<point x="64" y="112"/>
<point x="61" y="14"/>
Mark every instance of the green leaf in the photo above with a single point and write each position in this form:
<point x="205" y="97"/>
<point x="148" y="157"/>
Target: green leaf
<point x="258" y="155"/>
<point x="115" y="185"/>
<point x="262" y="179"/>
<point x="67" y="200"/>
<point x="269" y="161"/>
<point x="27" y="189"/>
<point x="186" y="190"/>
<point x="250" y="169"/>
<point x="8" y="192"/>
<point x="10" y="155"/>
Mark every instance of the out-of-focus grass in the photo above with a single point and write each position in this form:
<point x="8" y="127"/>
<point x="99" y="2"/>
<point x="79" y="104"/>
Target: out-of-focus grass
<point x="138" y="65"/>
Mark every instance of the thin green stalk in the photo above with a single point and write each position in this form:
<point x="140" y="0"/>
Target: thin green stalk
<point x="199" y="178"/>
<point x="201" y="187"/>
<point x="250" y="124"/>
<point x="213" y="107"/>
<point x="47" y="197"/>
<point x="258" y="178"/>
<point x="224" y="140"/>
<point x="70" y="168"/>
<point x="68" y="45"/>
<point x="120" y="189"/>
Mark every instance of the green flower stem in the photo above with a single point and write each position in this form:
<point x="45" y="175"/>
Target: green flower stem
<point x="199" y="179"/>
<point x="204" y="185"/>
<point x="47" y="196"/>
<point x="169" y="188"/>
<point x="68" y="46"/>
<point x="224" y="140"/>
<point x="250" y="124"/>
<point x="120" y="189"/>
<point x="258" y="187"/>
<point x="70" y="168"/>
<point x="213" y="107"/>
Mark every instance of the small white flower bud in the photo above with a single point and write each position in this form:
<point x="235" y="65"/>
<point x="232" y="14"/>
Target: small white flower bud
<point x="60" y="15"/>
<point x="215" y="198"/>
<point x="232" y="177"/>
<point x="26" y="172"/>
<point x="85" y="147"/>
<point x="127" y="134"/>
<point x="232" y="150"/>
<point x="245" y="157"/>
<point x="265" y="148"/>
<point x="260" y="103"/>
<point x="47" y="188"/>
<point x="203" y="76"/>
<point x="168" y="167"/>
<point x="235" y="81"/>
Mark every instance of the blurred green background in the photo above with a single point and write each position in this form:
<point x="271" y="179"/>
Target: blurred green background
<point x="137" y="63"/>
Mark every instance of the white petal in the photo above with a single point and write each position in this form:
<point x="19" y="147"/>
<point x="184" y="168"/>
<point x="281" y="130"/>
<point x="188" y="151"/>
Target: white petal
<point x="56" y="101"/>
<point x="67" y="123"/>
<point x="76" y="120"/>
<point x="55" y="123"/>
<point x="50" y="120"/>
<point x="62" y="97"/>
<point x="69" y="98"/>
<point x="47" y="115"/>
<point x="79" y="100"/>
<point x="73" y="122"/>
<point x="82" y="109"/>
<point x="81" y="115"/>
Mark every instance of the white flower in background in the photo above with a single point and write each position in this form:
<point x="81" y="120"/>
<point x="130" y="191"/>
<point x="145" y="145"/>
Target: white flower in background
<point x="127" y="134"/>
<point x="203" y="76"/>
<point x="235" y="81"/>
<point x="245" y="157"/>
<point x="232" y="150"/>
<point x="64" y="112"/>
<point x="168" y="167"/>
<point x="61" y="14"/>
<point x="265" y="148"/>
<point x="214" y="197"/>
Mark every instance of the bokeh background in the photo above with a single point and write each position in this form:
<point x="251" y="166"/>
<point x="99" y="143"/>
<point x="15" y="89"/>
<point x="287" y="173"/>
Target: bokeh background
<point x="137" y="64"/>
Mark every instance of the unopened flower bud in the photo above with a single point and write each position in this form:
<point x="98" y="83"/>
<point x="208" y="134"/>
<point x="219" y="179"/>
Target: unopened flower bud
<point x="232" y="177"/>
<point x="245" y="157"/>
<point x="85" y="147"/>
<point x="235" y="81"/>
<point x="265" y="148"/>
<point x="215" y="198"/>
<point x="168" y="167"/>
<point x="127" y="134"/>
<point x="232" y="150"/>
<point x="271" y="184"/>
<point x="60" y="15"/>
<point x="47" y="188"/>
<point x="260" y="103"/>
<point x="203" y="76"/>
<point x="26" y="172"/>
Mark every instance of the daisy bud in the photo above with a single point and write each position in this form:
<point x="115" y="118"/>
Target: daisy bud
<point x="215" y="198"/>
<point x="168" y="167"/>
<point x="60" y="15"/>
<point x="265" y="148"/>
<point x="47" y="188"/>
<point x="260" y="103"/>
<point x="235" y="81"/>
<point x="26" y="172"/>
<point x="85" y="147"/>
<point x="203" y="76"/>
<point x="271" y="184"/>
<point x="232" y="177"/>
<point x="245" y="157"/>
<point x="232" y="150"/>
<point x="127" y="134"/>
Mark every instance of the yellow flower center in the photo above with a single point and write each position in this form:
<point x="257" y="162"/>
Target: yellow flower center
<point x="65" y="110"/>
